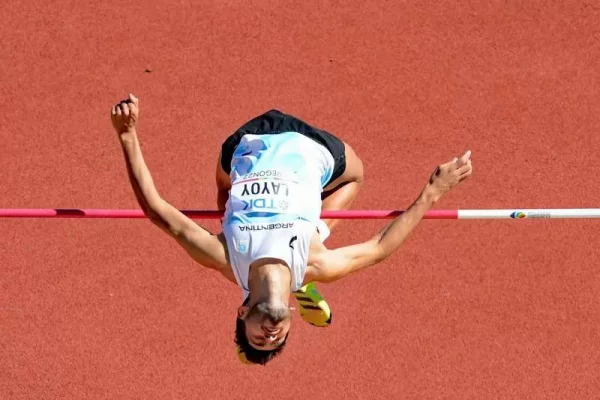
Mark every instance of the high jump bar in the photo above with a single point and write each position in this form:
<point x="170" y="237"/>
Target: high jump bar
<point x="542" y="213"/>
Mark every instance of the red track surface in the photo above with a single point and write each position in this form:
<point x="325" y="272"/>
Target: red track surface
<point x="96" y="309"/>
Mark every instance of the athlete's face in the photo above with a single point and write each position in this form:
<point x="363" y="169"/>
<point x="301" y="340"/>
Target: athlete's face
<point x="267" y="324"/>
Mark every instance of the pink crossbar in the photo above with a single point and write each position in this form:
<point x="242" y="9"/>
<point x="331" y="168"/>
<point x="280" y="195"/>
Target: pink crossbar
<point x="201" y="214"/>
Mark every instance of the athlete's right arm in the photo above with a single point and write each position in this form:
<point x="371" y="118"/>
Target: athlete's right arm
<point x="204" y="247"/>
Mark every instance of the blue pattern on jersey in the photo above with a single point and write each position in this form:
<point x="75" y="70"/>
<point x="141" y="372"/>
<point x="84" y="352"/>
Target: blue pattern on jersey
<point x="250" y="156"/>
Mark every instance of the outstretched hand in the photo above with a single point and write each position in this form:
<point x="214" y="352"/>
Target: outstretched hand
<point x="124" y="115"/>
<point x="450" y="174"/>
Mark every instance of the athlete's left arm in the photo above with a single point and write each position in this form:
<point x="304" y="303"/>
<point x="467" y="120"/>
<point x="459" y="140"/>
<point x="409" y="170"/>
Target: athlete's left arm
<point x="331" y="265"/>
<point x="341" y="193"/>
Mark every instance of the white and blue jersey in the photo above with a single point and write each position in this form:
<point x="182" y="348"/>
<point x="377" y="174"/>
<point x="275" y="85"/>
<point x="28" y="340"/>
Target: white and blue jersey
<point x="274" y="203"/>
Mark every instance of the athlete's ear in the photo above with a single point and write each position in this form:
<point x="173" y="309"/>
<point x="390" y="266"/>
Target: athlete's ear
<point x="243" y="312"/>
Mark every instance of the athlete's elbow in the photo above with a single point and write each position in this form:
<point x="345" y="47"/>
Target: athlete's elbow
<point x="380" y="253"/>
<point x="157" y="213"/>
<point x="151" y="208"/>
<point x="157" y="220"/>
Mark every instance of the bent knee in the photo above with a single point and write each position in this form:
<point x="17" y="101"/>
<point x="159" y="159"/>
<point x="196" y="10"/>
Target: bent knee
<point x="355" y="171"/>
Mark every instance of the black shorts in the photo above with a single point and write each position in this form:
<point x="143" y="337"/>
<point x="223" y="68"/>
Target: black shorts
<point x="274" y="122"/>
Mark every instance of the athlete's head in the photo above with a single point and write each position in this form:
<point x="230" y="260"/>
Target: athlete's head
<point x="261" y="330"/>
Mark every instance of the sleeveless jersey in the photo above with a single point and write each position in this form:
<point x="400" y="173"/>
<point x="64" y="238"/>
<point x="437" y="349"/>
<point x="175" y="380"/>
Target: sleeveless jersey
<point x="274" y="202"/>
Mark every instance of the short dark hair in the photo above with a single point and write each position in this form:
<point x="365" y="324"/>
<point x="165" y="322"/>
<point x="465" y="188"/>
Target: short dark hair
<point x="249" y="353"/>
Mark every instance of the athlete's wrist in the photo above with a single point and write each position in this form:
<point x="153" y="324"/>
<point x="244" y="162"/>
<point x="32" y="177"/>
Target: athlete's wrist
<point x="429" y="196"/>
<point x="127" y="134"/>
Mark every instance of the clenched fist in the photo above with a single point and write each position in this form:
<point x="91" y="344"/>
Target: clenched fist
<point x="450" y="174"/>
<point x="124" y="115"/>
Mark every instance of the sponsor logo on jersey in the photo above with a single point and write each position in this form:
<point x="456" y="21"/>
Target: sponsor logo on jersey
<point x="265" y="204"/>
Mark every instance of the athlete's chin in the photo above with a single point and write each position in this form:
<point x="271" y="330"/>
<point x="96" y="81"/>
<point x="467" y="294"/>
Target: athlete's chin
<point x="272" y="325"/>
<point x="274" y="314"/>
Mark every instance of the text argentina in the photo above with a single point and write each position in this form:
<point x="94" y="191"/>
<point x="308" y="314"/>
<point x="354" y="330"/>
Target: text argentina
<point x="266" y="227"/>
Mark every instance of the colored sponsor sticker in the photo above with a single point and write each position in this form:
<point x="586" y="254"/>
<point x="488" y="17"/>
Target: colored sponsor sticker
<point x="530" y="215"/>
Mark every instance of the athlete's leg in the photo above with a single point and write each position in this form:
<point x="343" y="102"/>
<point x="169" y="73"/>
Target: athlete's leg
<point x="341" y="193"/>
